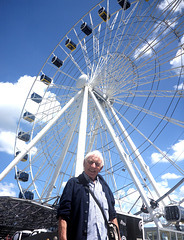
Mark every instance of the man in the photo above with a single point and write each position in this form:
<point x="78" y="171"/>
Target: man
<point x="79" y="216"/>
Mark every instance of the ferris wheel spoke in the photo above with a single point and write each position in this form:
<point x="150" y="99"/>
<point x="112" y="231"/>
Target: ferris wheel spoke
<point x="72" y="59"/>
<point x="152" y="93"/>
<point x="63" y="86"/>
<point x="46" y="168"/>
<point x="95" y="39"/>
<point x="137" y="154"/>
<point x="96" y="49"/>
<point x="85" y="53"/>
<point x="34" y="182"/>
<point x="150" y="45"/>
<point x="146" y="79"/>
<point x="157" y="115"/>
<point x="147" y="139"/>
<point x="139" y="27"/>
<point x="111" y="176"/>
<point x="93" y="131"/>
<point x="162" y="59"/>
<point x="154" y="42"/>
<point x="119" y="34"/>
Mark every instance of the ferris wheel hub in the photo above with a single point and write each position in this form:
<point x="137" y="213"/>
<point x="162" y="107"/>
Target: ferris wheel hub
<point x="82" y="80"/>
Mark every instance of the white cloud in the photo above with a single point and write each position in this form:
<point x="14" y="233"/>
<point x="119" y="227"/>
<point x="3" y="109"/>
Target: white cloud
<point x="132" y="195"/>
<point x="127" y="202"/>
<point x="7" y="141"/>
<point x="179" y="87"/>
<point x="170" y="176"/>
<point x="182" y="40"/>
<point x="12" y="99"/>
<point x="182" y="190"/>
<point x="178" y="153"/>
<point x="165" y="4"/>
<point x="177" y="62"/>
<point x="164" y="27"/>
<point x="181" y="194"/>
<point x="158" y="157"/>
<point x="163" y="187"/>
<point x="178" y="149"/>
<point x="146" y="49"/>
<point x="8" y="189"/>
<point x="64" y="184"/>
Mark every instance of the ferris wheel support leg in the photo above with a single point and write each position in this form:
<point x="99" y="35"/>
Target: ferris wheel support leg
<point x="37" y="138"/>
<point x="82" y="134"/>
<point x="126" y="161"/>
<point x="137" y="155"/>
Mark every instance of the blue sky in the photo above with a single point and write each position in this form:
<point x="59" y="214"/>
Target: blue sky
<point x="29" y="32"/>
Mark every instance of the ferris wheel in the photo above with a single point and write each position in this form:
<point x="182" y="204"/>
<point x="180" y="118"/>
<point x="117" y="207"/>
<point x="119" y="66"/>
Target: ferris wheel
<point x="113" y="83"/>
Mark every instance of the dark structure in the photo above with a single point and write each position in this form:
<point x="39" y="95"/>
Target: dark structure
<point x="21" y="214"/>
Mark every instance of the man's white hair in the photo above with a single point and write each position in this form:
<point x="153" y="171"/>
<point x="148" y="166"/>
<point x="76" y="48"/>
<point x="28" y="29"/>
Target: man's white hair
<point x="95" y="153"/>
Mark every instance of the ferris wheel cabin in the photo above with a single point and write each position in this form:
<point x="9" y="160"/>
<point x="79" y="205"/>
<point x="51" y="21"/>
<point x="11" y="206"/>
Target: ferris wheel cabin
<point x="23" y="136"/>
<point x="124" y="4"/>
<point x="57" y="62"/>
<point x="103" y="14"/>
<point x="70" y="44"/>
<point x="45" y="79"/>
<point x="174" y="213"/>
<point x="86" y="29"/>
<point x="29" y="117"/>
<point x="22" y="176"/>
<point x="27" y="195"/>
<point x="24" y="159"/>
<point x="36" y="98"/>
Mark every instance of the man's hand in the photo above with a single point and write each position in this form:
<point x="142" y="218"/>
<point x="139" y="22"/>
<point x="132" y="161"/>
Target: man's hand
<point x="115" y="221"/>
<point x="62" y="229"/>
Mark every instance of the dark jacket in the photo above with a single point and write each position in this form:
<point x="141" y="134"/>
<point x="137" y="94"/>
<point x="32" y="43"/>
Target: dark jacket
<point x="74" y="206"/>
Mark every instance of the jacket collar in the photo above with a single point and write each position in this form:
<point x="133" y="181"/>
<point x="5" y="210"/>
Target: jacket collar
<point x="83" y="179"/>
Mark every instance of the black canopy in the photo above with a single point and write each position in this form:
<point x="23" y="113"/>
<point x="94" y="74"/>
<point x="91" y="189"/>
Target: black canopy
<point x="22" y="214"/>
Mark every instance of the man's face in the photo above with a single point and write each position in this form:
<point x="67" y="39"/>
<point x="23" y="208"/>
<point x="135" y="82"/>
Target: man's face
<point x="92" y="166"/>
